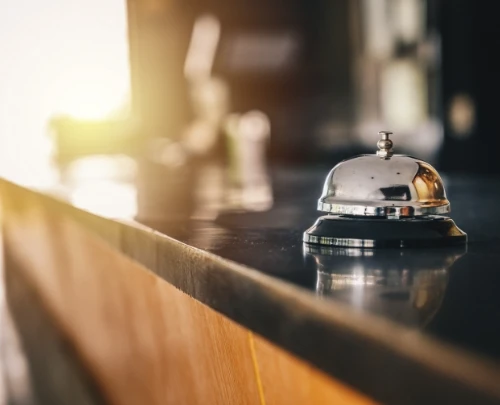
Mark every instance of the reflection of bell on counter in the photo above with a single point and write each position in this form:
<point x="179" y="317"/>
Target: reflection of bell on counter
<point x="384" y="200"/>
<point x="407" y="286"/>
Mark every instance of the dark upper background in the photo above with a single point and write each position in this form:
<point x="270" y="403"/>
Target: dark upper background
<point x="220" y="91"/>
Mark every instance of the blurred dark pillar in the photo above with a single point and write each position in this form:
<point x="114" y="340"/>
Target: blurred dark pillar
<point x="159" y="35"/>
<point x="293" y="60"/>
<point x="470" y="85"/>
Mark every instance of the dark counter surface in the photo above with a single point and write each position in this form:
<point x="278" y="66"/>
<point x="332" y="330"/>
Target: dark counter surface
<point x="450" y="293"/>
<point x="403" y="326"/>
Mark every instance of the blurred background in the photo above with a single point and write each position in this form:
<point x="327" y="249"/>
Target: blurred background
<point x="184" y="108"/>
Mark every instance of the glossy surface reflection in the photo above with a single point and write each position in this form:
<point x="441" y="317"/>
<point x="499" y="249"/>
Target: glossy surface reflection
<point x="442" y="292"/>
<point x="411" y="232"/>
<point x="404" y="285"/>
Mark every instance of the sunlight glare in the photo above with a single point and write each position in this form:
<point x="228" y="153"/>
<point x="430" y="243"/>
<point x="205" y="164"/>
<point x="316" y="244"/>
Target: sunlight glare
<point x="59" y="57"/>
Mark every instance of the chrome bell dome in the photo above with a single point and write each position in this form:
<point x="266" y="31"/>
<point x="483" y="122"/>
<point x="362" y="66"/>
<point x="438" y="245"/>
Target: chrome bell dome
<point x="383" y="186"/>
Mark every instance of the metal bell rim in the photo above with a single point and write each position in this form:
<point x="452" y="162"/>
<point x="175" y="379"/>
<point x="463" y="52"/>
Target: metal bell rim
<point x="379" y="209"/>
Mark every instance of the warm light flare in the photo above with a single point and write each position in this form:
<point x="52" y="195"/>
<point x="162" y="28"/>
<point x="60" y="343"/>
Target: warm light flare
<point x="59" y="57"/>
<point x="90" y="95"/>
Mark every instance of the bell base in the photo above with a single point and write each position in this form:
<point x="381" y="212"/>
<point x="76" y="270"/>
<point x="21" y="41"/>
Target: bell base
<point x="350" y="231"/>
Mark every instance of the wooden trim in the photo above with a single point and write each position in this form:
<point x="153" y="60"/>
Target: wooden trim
<point x="143" y="340"/>
<point x="384" y="361"/>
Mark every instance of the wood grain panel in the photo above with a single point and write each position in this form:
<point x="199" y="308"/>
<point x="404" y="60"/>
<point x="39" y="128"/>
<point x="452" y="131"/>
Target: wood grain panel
<point x="286" y="380"/>
<point x="144" y="341"/>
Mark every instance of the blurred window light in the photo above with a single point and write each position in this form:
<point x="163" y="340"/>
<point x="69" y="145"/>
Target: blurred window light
<point x="107" y="198"/>
<point x="64" y="57"/>
<point x="119" y="168"/>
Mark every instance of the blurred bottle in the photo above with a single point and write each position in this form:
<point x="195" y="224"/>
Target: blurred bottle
<point x="249" y="183"/>
<point x="397" y="65"/>
<point x="206" y="143"/>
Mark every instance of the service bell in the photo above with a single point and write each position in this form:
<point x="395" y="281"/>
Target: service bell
<point x="384" y="200"/>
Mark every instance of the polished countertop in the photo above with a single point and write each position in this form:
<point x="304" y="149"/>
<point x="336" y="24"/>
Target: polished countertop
<point x="401" y="325"/>
<point x="451" y="293"/>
